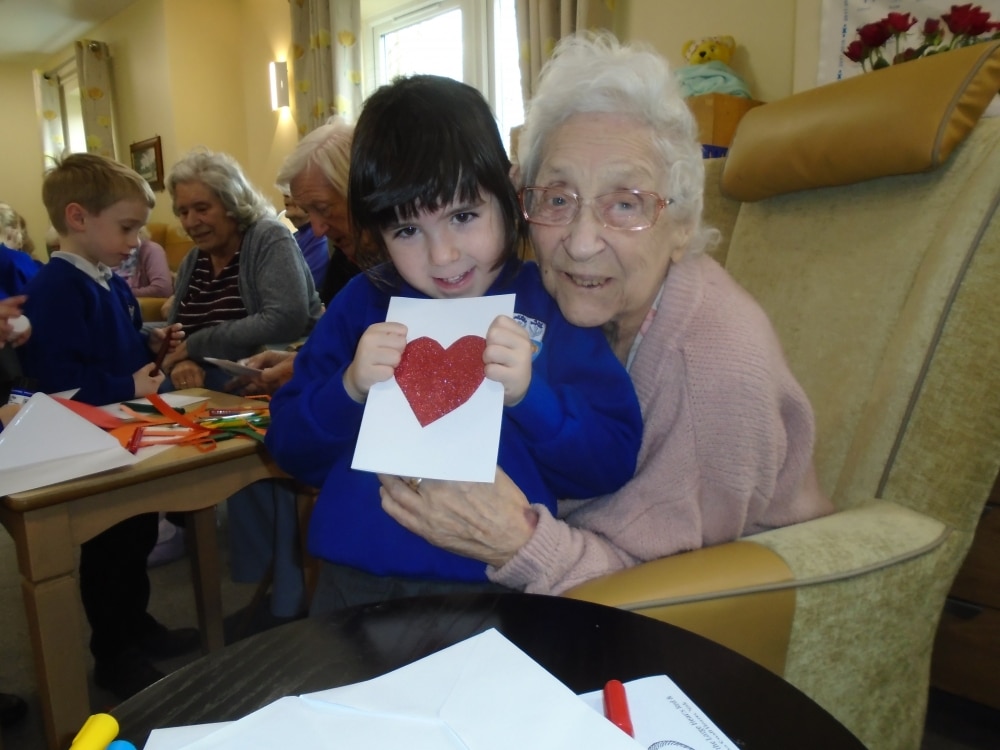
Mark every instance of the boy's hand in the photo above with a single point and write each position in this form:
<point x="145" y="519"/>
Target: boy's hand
<point x="8" y="412"/>
<point x="157" y="335"/>
<point x="508" y="358"/>
<point x="375" y="359"/>
<point x="10" y="311"/>
<point x="145" y="383"/>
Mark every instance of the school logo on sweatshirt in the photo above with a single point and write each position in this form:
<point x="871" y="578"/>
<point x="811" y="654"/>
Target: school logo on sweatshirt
<point x="536" y="332"/>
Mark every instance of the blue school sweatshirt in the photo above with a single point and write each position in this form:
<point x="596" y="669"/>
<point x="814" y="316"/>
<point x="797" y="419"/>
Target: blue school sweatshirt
<point x="576" y="433"/>
<point x="83" y="336"/>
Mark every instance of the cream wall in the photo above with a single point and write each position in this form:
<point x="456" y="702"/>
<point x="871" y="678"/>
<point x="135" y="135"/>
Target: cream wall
<point x="193" y="84"/>
<point x="764" y="32"/>
<point x="21" y="150"/>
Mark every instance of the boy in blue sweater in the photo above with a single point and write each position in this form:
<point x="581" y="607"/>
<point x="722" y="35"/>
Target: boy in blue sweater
<point x="429" y="183"/>
<point x="87" y="334"/>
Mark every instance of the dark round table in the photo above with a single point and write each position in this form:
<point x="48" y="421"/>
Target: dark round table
<point x="582" y="644"/>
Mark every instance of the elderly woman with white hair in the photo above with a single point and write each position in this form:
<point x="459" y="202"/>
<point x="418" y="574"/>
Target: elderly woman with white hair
<point x="244" y="284"/>
<point x="612" y="186"/>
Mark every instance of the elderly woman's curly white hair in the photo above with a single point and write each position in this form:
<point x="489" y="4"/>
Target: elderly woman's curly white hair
<point x="592" y="72"/>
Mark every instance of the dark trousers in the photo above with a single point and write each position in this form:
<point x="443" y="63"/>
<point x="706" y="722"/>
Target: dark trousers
<point x="114" y="584"/>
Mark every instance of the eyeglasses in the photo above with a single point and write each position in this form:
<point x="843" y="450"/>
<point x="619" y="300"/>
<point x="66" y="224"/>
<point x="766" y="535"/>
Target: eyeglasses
<point x="623" y="209"/>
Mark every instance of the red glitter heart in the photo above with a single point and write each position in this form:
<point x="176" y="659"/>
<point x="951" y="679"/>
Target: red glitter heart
<point x="436" y="380"/>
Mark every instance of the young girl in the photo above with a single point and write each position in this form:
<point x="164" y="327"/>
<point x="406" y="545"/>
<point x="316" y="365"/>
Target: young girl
<point x="429" y="182"/>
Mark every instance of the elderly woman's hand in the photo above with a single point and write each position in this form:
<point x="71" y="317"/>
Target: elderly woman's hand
<point x="187" y="374"/>
<point x="488" y="522"/>
<point x="276" y="369"/>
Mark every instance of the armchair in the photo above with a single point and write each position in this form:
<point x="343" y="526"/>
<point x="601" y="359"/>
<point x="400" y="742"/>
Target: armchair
<point x="863" y="215"/>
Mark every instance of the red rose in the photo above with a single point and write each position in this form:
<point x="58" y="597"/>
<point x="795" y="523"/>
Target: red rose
<point x="968" y="20"/>
<point x="899" y="23"/>
<point x="874" y="35"/>
<point x="856" y="51"/>
<point x="906" y="55"/>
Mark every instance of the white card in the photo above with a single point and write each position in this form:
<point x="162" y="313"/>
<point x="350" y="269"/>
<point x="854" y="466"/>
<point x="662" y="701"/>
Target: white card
<point x="461" y="445"/>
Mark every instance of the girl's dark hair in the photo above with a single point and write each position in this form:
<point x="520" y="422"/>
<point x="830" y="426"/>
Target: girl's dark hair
<point x="419" y="143"/>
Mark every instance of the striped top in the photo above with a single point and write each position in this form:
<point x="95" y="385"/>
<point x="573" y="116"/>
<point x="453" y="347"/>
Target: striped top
<point x="211" y="299"/>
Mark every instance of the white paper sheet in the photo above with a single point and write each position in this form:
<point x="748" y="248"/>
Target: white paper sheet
<point x="663" y="716"/>
<point x="480" y="694"/>
<point x="47" y="443"/>
<point x="461" y="445"/>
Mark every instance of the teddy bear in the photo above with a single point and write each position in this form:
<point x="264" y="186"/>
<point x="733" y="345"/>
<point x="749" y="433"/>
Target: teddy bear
<point x="708" y="71"/>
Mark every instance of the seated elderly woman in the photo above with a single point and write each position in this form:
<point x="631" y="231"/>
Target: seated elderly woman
<point x="613" y="182"/>
<point x="244" y="284"/>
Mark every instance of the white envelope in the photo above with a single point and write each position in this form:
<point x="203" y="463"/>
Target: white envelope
<point x="481" y="694"/>
<point x="47" y="443"/>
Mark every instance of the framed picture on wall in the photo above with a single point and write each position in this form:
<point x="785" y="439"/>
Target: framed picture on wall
<point x="147" y="160"/>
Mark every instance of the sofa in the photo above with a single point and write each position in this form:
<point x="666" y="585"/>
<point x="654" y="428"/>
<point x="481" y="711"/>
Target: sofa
<point x="863" y="215"/>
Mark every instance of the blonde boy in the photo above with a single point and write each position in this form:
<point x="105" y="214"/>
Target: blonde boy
<point x="88" y="335"/>
<point x="87" y="327"/>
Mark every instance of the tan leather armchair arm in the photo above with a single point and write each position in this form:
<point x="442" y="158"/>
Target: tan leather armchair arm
<point x="736" y="594"/>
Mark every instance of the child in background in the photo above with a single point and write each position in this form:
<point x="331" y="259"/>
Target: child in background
<point x="88" y="335"/>
<point x="429" y="183"/>
<point x="146" y="269"/>
<point x="17" y="267"/>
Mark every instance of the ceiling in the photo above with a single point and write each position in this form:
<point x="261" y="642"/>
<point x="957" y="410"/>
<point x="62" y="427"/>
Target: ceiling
<point x="30" y="29"/>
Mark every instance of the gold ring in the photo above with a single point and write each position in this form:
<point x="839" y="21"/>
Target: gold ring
<point x="413" y="482"/>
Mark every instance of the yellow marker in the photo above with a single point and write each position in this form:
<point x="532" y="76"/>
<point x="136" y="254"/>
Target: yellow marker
<point x="96" y="733"/>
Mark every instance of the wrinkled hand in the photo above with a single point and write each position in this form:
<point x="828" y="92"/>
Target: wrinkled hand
<point x="178" y="353"/>
<point x="508" y="358"/>
<point x="488" y="522"/>
<point x="187" y="374"/>
<point x="375" y="359"/>
<point x="276" y="369"/>
<point x="145" y="382"/>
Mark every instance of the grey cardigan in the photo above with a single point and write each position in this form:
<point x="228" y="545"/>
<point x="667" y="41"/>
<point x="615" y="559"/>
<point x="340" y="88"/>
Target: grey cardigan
<point x="275" y="286"/>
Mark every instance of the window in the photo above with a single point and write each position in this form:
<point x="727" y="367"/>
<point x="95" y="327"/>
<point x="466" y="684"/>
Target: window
<point x="474" y="41"/>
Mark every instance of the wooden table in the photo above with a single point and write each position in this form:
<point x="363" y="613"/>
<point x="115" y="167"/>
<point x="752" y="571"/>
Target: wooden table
<point x="581" y="643"/>
<point x="48" y="524"/>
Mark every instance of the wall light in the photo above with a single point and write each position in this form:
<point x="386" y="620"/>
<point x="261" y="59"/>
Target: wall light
<point x="279" y="85"/>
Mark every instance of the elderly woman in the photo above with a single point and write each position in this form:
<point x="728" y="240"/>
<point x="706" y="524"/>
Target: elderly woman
<point x="244" y="284"/>
<point x="612" y="187"/>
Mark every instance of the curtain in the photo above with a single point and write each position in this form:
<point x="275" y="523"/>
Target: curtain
<point x="325" y="60"/>
<point x="541" y="23"/>
<point x="50" y="118"/>
<point x="93" y="65"/>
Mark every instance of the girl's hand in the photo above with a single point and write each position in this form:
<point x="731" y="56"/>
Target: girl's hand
<point x="508" y="358"/>
<point x="375" y="359"/>
<point x="145" y="382"/>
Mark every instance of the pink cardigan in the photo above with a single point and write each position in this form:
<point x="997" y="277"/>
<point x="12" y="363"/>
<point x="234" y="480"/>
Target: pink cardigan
<point x="726" y="451"/>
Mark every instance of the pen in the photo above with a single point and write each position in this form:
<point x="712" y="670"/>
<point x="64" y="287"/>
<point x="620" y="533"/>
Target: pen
<point x="161" y="354"/>
<point x="135" y="440"/>
<point x="616" y="707"/>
